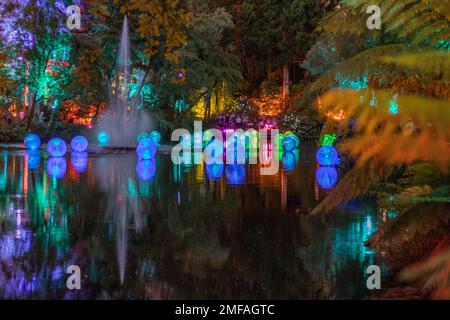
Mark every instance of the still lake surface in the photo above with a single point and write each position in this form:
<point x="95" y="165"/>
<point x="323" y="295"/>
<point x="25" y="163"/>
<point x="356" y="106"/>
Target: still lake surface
<point x="155" y="230"/>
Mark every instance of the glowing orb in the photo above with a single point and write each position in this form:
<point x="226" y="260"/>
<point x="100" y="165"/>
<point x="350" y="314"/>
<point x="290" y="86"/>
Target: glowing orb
<point x="326" y="177"/>
<point x="79" y="161"/>
<point x="293" y="136"/>
<point x="103" y="138"/>
<point x="79" y="144"/>
<point x="32" y="141"/>
<point x="327" y="140"/>
<point x="33" y="159"/>
<point x="214" y="171"/>
<point x="142" y="135"/>
<point x="289" y="144"/>
<point x="289" y="161"/>
<point x="235" y="173"/>
<point x="146" y="149"/>
<point x="156" y="137"/>
<point x="56" y="147"/>
<point x="146" y="169"/>
<point x="327" y="156"/>
<point x="56" y="167"/>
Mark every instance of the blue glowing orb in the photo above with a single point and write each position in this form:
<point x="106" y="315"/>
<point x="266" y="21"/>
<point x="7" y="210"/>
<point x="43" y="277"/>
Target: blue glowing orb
<point x="33" y="159"/>
<point x="214" y="171"/>
<point x="289" y="144"/>
<point x="79" y="144"/>
<point x="235" y="174"/>
<point x="289" y="161"/>
<point x="56" y="147"/>
<point x="146" y="149"/>
<point x="79" y="161"/>
<point x="327" y="156"/>
<point x="32" y="141"/>
<point x="103" y="138"/>
<point x="56" y="167"/>
<point x="146" y="169"/>
<point x="155" y="136"/>
<point x="142" y="135"/>
<point x="326" y="177"/>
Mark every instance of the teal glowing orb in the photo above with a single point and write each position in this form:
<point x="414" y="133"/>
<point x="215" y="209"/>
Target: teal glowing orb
<point x="155" y="136"/>
<point x="146" y="149"/>
<point x="289" y="144"/>
<point x="142" y="135"/>
<point x="56" y="147"/>
<point x="327" y="156"/>
<point x="79" y="144"/>
<point x="32" y="141"/>
<point x="103" y="138"/>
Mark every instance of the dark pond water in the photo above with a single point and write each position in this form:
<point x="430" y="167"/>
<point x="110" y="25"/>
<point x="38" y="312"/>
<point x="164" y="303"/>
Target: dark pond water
<point x="165" y="231"/>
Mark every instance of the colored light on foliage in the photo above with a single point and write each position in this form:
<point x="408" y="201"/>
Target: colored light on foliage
<point x="214" y="171"/>
<point x="56" y="167"/>
<point x="327" y="156"/>
<point x="79" y="144"/>
<point x="326" y="177"/>
<point x="146" y="149"/>
<point x="235" y="174"/>
<point x="103" y="138"/>
<point x="56" y="147"/>
<point x="393" y="106"/>
<point x="327" y="140"/>
<point x="79" y="161"/>
<point x="32" y="141"/>
<point x="146" y="169"/>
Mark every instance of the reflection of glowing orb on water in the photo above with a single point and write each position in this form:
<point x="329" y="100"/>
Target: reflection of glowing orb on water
<point x="56" y="147"/>
<point x="34" y="159"/>
<point x="79" y="161"/>
<point x="146" y="149"/>
<point x="326" y="177"/>
<point x="289" y="161"/>
<point x="214" y="171"/>
<point x="32" y="141"/>
<point x="79" y="144"/>
<point x="327" y="156"/>
<point x="103" y="138"/>
<point x="235" y="173"/>
<point x="146" y="169"/>
<point x="156" y="137"/>
<point x="56" y="167"/>
<point x="142" y="135"/>
<point x="288" y="144"/>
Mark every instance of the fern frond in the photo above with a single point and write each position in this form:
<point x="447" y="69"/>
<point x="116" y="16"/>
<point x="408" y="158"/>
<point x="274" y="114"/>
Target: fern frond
<point x="435" y="63"/>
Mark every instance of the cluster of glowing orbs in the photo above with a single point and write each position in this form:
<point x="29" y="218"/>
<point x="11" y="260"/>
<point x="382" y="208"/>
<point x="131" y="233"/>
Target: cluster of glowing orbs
<point x="142" y="135"/>
<point x="327" y="156"/>
<point x="32" y="141"/>
<point x="326" y="177"/>
<point x="146" y="169"/>
<point x="328" y="140"/>
<point x="235" y="174"/>
<point x="103" y="138"/>
<point x="214" y="171"/>
<point x="79" y="144"/>
<point x="79" y="161"/>
<point x="56" y="147"/>
<point x="146" y="149"/>
<point x="33" y="159"/>
<point x="289" y="161"/>
<point x="56" y="167"/>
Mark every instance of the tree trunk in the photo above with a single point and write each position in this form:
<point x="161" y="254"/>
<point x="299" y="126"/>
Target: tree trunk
<point x="207" y="105"/>
<point x="286" y="82"/>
